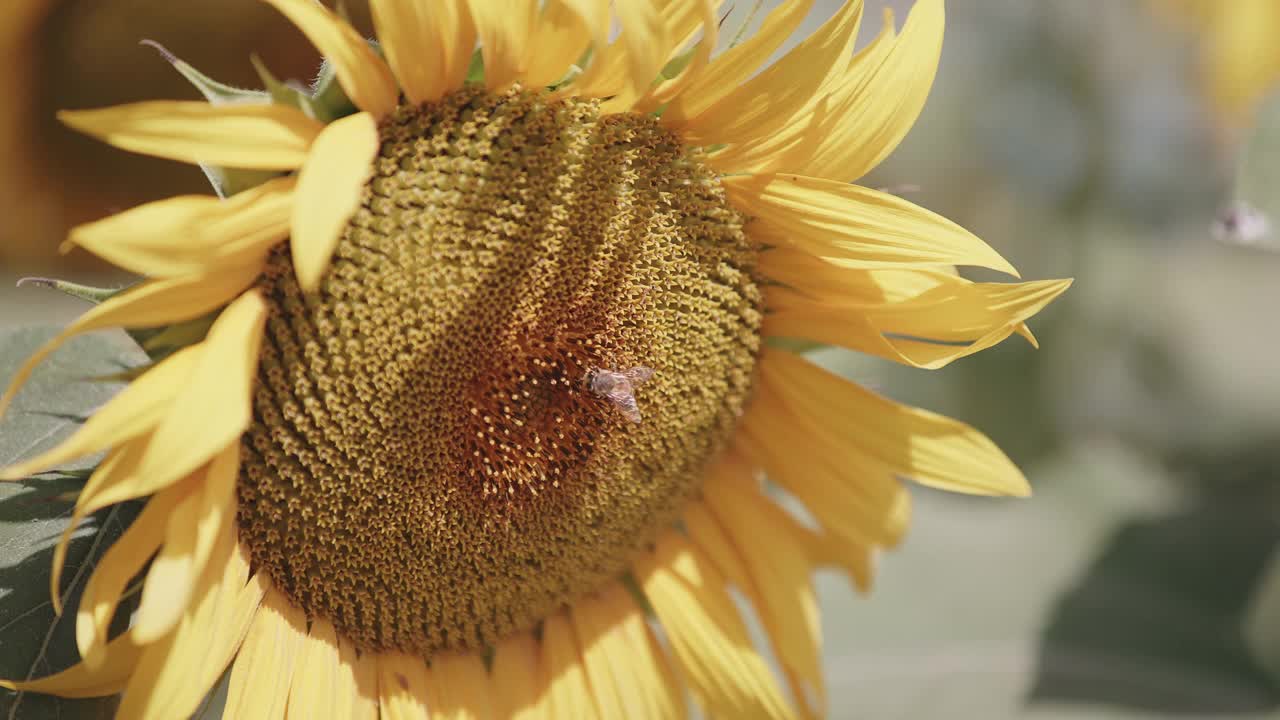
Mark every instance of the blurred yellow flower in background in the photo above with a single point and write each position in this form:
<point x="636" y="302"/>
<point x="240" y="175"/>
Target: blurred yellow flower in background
<point x="1240" y="51"/>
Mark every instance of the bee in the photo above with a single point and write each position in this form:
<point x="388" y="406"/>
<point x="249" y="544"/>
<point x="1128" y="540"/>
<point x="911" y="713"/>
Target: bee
<point x="618" y="387"/>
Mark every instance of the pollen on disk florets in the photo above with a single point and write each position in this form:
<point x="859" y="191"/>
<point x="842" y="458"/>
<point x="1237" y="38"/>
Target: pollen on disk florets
<point x="428" y="467"/>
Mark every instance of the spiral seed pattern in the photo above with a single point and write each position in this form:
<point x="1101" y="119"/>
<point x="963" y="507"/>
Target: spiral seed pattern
<point x="427" y="467"/>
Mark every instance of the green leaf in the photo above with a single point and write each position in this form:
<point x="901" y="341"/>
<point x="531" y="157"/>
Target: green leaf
<point x="1116" y="591"/>
<point x="33" y="641"/>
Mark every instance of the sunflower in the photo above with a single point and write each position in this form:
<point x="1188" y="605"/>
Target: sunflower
<point x="1240" y="57"/>
<point x="474" y="375"/>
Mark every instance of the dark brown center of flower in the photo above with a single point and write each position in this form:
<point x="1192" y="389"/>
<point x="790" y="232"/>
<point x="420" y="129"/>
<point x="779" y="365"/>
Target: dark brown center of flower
<point x="446" y="447"/>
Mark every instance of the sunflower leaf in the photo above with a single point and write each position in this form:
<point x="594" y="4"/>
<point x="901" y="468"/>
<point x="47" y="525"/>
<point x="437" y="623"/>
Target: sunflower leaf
<point x="1117" y="592"/>
<point x="33" y="641"/>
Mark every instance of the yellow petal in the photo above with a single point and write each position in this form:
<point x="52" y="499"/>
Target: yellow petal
<point x="119" y="564"/>
<point x="405" y="34"/>
<point x="851" y="496"/>
<point x="147" y="305"/>
<point x="428" y="44"/>
<point x="258" y="137"/>
<point x="82" y="681"/>
<point x="177" y="672"/>
<point x="691" y="18"/>
<point x="134" y="410"/>
<point x="458" y="688"/>
<point x="952" y="319"/>
<point x="518" y="678"/>
<point x="263" y="669"/>
<point x="185" y="439"/>
<point x="321" y="683"/>
<point x="646" y="41"/>
<point x="735" y="65"/>
<point x="330" y="186"/>
<point x="561" y="35"/>
<point x="705" y="531"/>
<point x="402" y="686"/>
<point x="869" y="121"/>
<point x="504" y="28"/>
<point x="768" y="101"/>
<point x="193" y="528"/>
<point x="569" y="694"/>
<point x="776" y="551"/>
<point x="112" y="471"/>
<point x="215" y="408"/>
<point x="928" y="448"/>
<point x="708" y="638"/>
<point x="862" y="227"/>
<point x="363" y="75"/>
<point x="627" y="676"/>
<point x="192" y="234"/>
<point x="361" y="695"/>
<point x="795" y="143"/>
<point x="330" y="681"/>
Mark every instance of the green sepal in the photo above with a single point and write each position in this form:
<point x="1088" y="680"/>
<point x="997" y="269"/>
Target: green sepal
<point x="92" y="294"/>
<point x="159" y="343"/>
<point x="282" y="93"/>
<point x="215" y="92"/>
<point x="225" y="181"/>
<point x="229" y="181"/>
<point x="677" y="64"/>
<point x="475" y="71"/>
<point x="329" y="101"/>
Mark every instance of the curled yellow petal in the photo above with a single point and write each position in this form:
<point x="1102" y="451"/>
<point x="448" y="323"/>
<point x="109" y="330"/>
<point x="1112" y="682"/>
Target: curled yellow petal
<point x="189" y="539"/>
<point x="330" y="186"/>
<point x="784" y="90"/>
<point x="363" y="75"/>
<point x="943" y="318"/>
<point x="118" y="565"/>
<point x="150" y="304"/>
<point x="258" y="137"/>
<point x="177" y="672"/>
<point x="134" y="410"/>
<point x="692" y="18"/>
<point x="868" y="121"/>
<point x="735" y="65"/>
<point x="213" y="410"/>
<point x="82" y="681"/>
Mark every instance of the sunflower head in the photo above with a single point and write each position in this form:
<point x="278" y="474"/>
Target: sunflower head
<point x="467" y="374"/>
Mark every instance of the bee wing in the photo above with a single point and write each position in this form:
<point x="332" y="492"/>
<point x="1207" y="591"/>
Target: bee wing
<point x="626" y="402"/>
<point x="638" y="375"/>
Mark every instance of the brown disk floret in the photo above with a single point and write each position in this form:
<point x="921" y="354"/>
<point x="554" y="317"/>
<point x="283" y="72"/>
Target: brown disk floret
<point x="429" y="467"/>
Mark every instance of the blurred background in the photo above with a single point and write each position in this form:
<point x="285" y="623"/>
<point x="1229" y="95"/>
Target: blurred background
<point x="1081" y="139"/>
